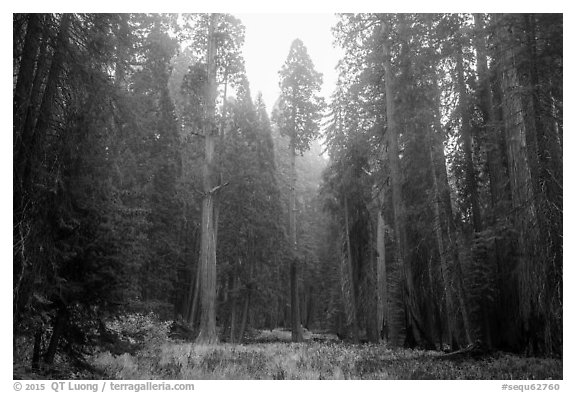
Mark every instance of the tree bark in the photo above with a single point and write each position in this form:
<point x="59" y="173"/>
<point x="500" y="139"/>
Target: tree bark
<point x="448" y="235"/>
<point x="466" y="133"/>
<point x="397" y="201"/>
<point x="350" y="288"/>
<point x="545" y="161"/>
<point x="381" y="275"/>
<point x="233" y="311"/>
<point x="295" y="304"/>
<point x="207" y="333"/>
<point x="245" y="312"/>
<point x="521" y="182"/>
<point x="498" y="196"/>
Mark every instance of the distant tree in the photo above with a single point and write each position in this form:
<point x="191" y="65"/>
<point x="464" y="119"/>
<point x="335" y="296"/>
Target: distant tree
<point x="298" y="116"/>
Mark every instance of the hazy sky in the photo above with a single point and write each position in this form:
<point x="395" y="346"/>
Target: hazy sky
<point x="268" y="40"/>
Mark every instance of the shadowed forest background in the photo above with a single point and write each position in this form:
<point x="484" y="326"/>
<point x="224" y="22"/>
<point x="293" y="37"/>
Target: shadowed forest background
<point x="162" y="216"/>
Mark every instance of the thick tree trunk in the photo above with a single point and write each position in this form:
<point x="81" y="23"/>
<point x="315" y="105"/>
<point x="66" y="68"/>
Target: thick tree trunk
<point x="46" y="107"/>
<point x="381" y="275"/>
<point x="349" y="290"/>
<point x="207" y="333"/>
<point x="466" y="133"/>
<point x="295" y="310"/>
<point x="29" y="131"/>
<point x="494" y="153"/>
<point x="397" y="201"/>
<point x="545" y="161"/>
<point x="295" y="304"/>
<point x="521" y="182"/>
<point x="193" y="293"/>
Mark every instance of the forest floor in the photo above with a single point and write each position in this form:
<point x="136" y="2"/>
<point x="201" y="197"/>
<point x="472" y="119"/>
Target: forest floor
<point x="271" y="356"/>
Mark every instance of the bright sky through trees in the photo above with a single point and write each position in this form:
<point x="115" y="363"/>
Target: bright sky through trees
<point x="268" y="40"/>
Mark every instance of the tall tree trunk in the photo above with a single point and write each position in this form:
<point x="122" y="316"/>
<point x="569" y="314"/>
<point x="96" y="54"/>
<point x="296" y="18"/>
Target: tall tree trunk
<point x="29" y="133"/>
<point x="520" y="178"/>
<point x="193" y="290"/>
<point x="494" y="153"/>
<point x="207" y="333"/>
<point x="24" y="81"/>
<point x="45" y="113"/>
<point x="444" y="255"/>
<point x="546" y="167"/>
<point x="466" y="133"/>
<point x="381" y="276"/>
<point x="449" y="234"/>
<point x="498" y="195"/>
<point x="295" y="304"/>
<point x="397" y="201"/>
<point x="233" y="312"/>
<point x="349" y="290"/>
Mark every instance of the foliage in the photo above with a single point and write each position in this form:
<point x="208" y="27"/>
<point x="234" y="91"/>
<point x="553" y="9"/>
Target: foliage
<point x="300" y="107"/>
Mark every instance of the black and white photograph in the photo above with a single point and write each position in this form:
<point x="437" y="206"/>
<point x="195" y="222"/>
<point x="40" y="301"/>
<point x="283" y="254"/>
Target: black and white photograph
<point x="287" y="196"/>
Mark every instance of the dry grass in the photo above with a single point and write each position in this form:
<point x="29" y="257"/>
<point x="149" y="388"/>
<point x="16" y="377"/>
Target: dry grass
<point x="313" y="360"/>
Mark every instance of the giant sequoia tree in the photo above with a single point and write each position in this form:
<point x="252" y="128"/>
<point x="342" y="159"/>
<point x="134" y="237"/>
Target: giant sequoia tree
<point x="298" y="116"/>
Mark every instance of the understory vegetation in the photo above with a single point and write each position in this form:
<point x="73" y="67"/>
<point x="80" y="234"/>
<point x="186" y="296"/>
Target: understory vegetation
<point x="316" y="360"/>
<point x="152" y="352"/>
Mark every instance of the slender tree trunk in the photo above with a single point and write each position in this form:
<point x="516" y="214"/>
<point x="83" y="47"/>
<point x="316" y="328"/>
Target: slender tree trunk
<point x="309" y="308"/>
<point x="295" y="304"/>
<point x="245" y="313"/>
<point x="37" y="349"/>
<point x="207" y="333"/>
<point x="59" y="325"/>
